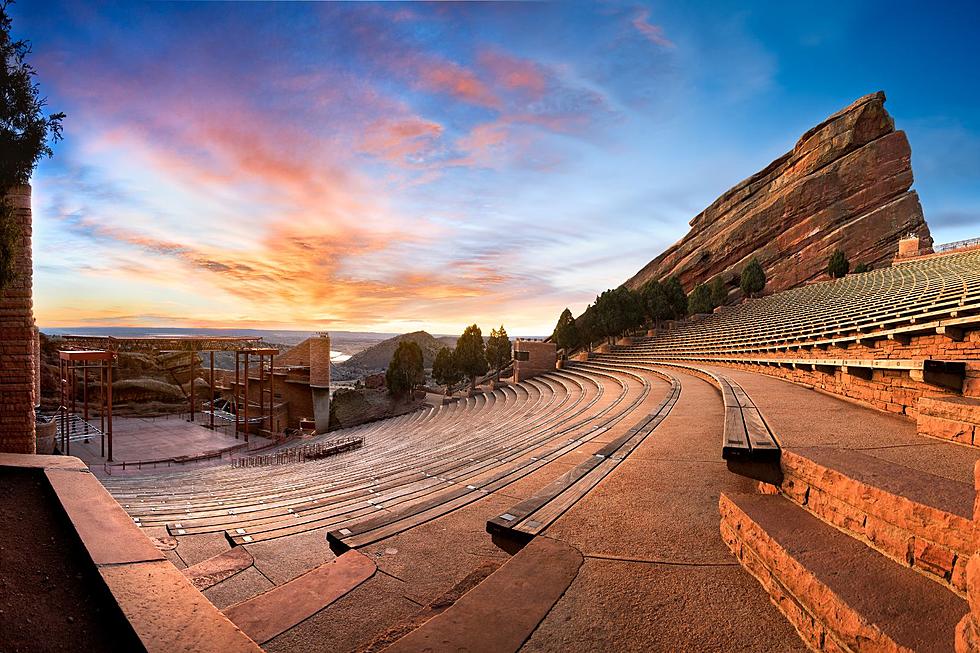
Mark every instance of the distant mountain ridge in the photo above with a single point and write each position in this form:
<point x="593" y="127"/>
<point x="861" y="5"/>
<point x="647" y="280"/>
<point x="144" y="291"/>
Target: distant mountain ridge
<point x="378" y="356"/>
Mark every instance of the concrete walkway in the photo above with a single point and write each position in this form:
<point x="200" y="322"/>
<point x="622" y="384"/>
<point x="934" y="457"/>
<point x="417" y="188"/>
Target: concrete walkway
<point x="657" y="576"/>
<point x="801" y="417"/>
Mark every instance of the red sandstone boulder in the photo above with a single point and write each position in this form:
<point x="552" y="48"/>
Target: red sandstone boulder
<point x="845" y="184"/>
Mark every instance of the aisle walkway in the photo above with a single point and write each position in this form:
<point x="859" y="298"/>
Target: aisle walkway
<point x="657" y="576"/>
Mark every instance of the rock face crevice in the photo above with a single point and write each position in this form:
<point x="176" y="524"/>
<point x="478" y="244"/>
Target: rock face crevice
<point x="845" y="184"/>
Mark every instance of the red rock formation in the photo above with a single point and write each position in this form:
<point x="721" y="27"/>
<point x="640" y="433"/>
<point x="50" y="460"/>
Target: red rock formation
<point x="845" y="184"/>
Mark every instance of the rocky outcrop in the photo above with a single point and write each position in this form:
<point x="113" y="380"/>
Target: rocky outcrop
<point x="845" y="184"/>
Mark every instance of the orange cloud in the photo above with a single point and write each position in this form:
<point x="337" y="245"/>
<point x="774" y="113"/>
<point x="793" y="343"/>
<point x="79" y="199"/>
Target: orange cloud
<point x="452" y="79"/>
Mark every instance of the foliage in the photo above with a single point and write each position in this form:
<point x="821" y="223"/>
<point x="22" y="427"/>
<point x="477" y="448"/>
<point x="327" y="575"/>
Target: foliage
<point x="444" y="369"/>
<point x="838" y="265"/>
<point x="566" y="334"/>
<point x="719" y="292"/>
<point x="499" y="352"/>
<point x="753" y="278"/>
<point x="676" y="298"/>
<point x="26" y="133"/>
<point x="616" y="311"/>
<point x="585" y="324"/>
<point x="405" y="371"/>
<point x="470" y="354"/>
<point x="861" y="268"/>
<point x="655" y="301"/>
<point x="700" y="299"/>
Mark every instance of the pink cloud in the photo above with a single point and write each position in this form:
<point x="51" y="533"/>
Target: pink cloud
<point x="452" y="79"/>
<point x="514" y="73"/>
<point x="651" y="32"/>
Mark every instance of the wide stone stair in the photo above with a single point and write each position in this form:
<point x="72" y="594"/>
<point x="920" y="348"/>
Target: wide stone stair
<point x="859" y="553"/>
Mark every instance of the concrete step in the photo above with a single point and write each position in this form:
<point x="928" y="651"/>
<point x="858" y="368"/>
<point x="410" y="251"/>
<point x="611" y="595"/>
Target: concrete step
<point x="500" y="613"/>
<point x="839" y="594"/>
<point x="275" y="611"/>
<point x="918" y="519"/>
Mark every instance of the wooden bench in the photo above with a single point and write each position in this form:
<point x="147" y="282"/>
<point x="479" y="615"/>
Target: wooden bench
<point x="522" y="522"/>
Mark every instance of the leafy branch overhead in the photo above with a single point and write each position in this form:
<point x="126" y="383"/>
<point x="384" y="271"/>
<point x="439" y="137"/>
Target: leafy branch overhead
<point x="26" y="133"/>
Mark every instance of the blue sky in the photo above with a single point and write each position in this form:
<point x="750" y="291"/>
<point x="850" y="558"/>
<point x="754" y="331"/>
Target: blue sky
<point x="401" y="165"/>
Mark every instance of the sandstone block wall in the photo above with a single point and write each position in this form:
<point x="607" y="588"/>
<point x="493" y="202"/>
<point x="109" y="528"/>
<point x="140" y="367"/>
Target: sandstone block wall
<point x="894" y="391"/>
<point x="17" y="352"/>
<point x="845" y="184"/>
<point x="542" y="357"/>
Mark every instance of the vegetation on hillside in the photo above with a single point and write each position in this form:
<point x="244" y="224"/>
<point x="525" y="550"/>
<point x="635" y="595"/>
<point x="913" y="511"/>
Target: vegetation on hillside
<point x="377" y="356"/>
<point x="753" y="279"/>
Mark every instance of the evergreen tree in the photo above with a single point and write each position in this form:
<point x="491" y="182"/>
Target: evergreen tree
<point x="837" y="264"/>
<point x="719" y="293"/>
<point x="588" y="332"/>
<point x="753" y="278"/>
<point x="566" y="334"/>
<point x="470" y="355"/>
<point x="676" y="297"/>
<point x="700" y="299"/>
<point x="444" y="370"/>
<point x="405" y="371"/>
<point x="26" y="134"/>
<point x="656" y="303"/>
<point x="499" y="352"/>
<point x="861" y="268"/>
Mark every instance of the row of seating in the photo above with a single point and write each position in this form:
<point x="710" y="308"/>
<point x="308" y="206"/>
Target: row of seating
<point x="410" y="468"/>
<point x="913" y="297"/>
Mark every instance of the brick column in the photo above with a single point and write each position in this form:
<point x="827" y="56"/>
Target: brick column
<point x="17" y="361"/>
<point x="320" y="380"/>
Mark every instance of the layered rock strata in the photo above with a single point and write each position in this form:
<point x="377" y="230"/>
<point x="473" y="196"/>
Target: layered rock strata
<point x="845" y="184"/>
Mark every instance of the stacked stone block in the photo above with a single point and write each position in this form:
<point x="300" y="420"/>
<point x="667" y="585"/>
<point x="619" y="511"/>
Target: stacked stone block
<point x="17" y="338"/>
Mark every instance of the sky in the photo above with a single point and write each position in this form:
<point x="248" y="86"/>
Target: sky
<point x="396" y="166"/>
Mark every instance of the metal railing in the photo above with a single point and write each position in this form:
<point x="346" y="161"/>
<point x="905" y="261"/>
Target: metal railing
<point x="959" y="244"/>
<point x="301" y="454"/>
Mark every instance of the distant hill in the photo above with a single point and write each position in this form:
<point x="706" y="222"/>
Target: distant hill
<point x="378" y="356"/>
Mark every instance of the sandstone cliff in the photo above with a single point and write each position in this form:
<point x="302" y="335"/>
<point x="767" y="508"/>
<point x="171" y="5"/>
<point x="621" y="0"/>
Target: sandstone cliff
<point x="845" y="184"/>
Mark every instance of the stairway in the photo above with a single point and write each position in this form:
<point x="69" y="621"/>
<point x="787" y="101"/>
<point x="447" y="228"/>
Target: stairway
<point x="857" y="552"/>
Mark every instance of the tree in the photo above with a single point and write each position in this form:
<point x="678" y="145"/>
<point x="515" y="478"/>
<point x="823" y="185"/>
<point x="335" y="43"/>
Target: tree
<point x="405" y="371"/>
<point x="586" y="326"/>
<point x="700" y="299"/>
<point x="719" y="292"/>
<point x="499" y="352"/>
<point x="444" y="370"/>
<point x="470" y="354"/>
<point x="566" y="334"/>
<point x="26" y="133"/>
<point x="753" y="278"/>
<point x="617" y="310"/>
<point x="861" y="268"/>
<point x="676" y="297"/>
<point x="837" y="264"/>
<point x="656" y="302"/>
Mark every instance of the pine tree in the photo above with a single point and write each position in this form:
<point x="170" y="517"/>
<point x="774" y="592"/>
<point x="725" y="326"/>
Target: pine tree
<point x="753" y="278"/>
<point x="499" y="352"/>
<point x="837" y="264"/>
<point x="700" y="299"/>
<point x="719" y="293"/>
<point x="405" y="371"/>
<point x="566" y="334"/>
<point x="470" y="354"/>
<point x="444" y="370"/>
<point x="676" y="297"/>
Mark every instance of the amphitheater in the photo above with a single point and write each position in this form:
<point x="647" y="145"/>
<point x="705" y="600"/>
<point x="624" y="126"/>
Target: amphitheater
<point x="794" y="472"/>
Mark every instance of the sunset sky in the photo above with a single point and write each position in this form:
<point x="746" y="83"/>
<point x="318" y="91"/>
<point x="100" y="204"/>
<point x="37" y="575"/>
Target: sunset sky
<point x="396" y="166"/>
